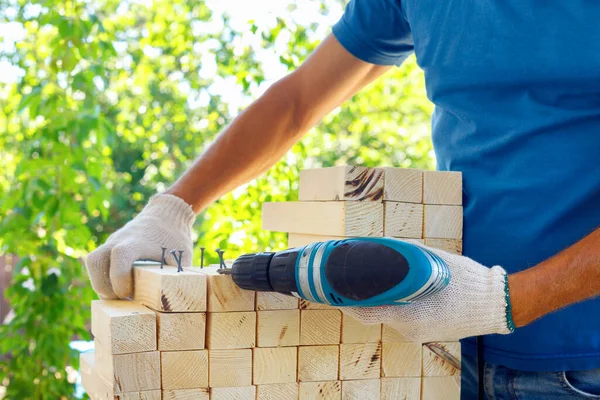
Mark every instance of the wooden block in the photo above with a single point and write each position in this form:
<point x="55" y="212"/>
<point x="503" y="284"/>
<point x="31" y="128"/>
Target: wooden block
<point x="97" y="388"/>
<point x="443" y="222"/>
<point x="186" y="394"/>
<point x="181" y="331"/>
<point x="275" y="301"/>
<point x="168" y="290"/>
<point x="403" y="220"/>
<point x="278" y="328"/>
<point x="275" y="365"/>
<point x="328" y="390"/>
<point x="230" y="368"/>
<point x="303" y="239"/>
<point x="453" y="246"/>
<point x="367" y="389"/>
<point x="401" y="388"/>
<point x="401" y="360"/>
<point x="354" y="331"/>
<point x="308" y="305"/>
<point x="341" y="183"/>
<point x="442" y="187"/>
<point x="337" y="218"/>
<point x="278" y="391"/>
<point x="441" y="359"/>
<point x="134" y="372"/>
<point x="403" y="184"/>
<point x="224" y="295"/>
<point x="232" y="330"/>
<point x="233" y="393"/>
<point x="441" y="387"/>
<point x="360" y="361"/>
<point x="391" y="335"/>
<point x="317" y="363"/>
<point x="320" y="327"/>
<point x="124" y="326"/>
<point x="184" y="369"/>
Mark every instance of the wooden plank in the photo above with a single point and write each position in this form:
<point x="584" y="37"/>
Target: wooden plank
<point x="186" y="394"/>
<point x="278" y="391"/>
<point x="337" y="218"/>
<point x="318" y="363"/>
<point x="181" y="331"/>
<point x="134" y="372"/>
<point x="401" y="360"/>
<point x="224" y="295"/>
<point x="318" y="327"/>
<point x="307" y="305"/>
<point x="453" y="246"/>
<point x="274" y="365"/>
<point x="124" y="326"/>
<point x="441" y="359"/>
<point x="401" y="389"/>
<point x="354" y="331"/>
<point x="360" y="361"/>
<point x="441" y="387"/>
<point x="275" y="301"/>
<point x="168" y="290"/>
<point x="232" y="330"/>
<point x="97" y="388"/>
<point x="233" y="393"/>
<point x="403" y="184"/>
<point x="303" y="239"/>
<point x="341" y="183"/>
<point x="443" y="222"/>
<point x="367" y="389"/>
<point x="184" y="369"/>
<point x="403" y="220"/>
<point x="230" y="368"/>
<point x="328" y="390"/>
<point x="391" y="335"/>
<point x="278" y="328"/>
<point x="442" y="188"/>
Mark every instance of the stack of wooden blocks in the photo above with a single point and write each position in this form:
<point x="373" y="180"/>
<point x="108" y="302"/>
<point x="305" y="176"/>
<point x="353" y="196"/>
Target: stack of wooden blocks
<point x="196" y="335"/>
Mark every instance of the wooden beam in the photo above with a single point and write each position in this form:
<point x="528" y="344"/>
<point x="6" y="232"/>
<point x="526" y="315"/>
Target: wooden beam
<point x="403" y="220"/>
<point x="307" y="305"/>
<point x="365" y="389"/>
<point x="278" y="328"/>
<point x="341" y="183"/>
<point x="181" y="331"/>
<point x="233" y="393"/>
<point x="186" y="394"/>
<point x="453" y="246"/>
<point x="403" y="184"/>
<point x="224" y="295"/>
<point x="303" y="239"/>
<point x="337" y="218"/>
<point x="184" y="369"/>
<point x="318" y="327"/>
<point x="401" y="388"/>
<point x="441" y="387"/>
<point x="442" y="187"/>
<point x="443" y="222"/>
<point x="360" y="361"/>
<point x="327" y="390"/>
<point x="232" y="330"/>
<point x="441" y="359"/>
<point x="168" y="290"/>
<point x="391" y="335"/>
<point x="318" y="363"/>
<point x="354" y="331"/>
<point x="278" y="391"/>
<point x="275" y="365"/>
<point x="401" y="360"/>
<point x="275" y="301"/>
<point x="124" y="326"/>
<point x="230" y="368"/>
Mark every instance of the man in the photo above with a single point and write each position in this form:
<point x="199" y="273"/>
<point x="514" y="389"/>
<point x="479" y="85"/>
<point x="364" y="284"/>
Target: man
<point x="516" y="84"/>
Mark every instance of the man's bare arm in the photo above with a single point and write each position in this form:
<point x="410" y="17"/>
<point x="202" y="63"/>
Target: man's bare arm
<point x="268" y="128"/>
<point x="567" y="278"/>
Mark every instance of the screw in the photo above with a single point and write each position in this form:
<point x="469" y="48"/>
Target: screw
<point x="179" y="267"/>
<point x="201" y="257"/>
<point x="162" y="259"/>
<point x="221" y="262"/>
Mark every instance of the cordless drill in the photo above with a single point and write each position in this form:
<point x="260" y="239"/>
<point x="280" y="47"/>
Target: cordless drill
<point x="359" y="272"/>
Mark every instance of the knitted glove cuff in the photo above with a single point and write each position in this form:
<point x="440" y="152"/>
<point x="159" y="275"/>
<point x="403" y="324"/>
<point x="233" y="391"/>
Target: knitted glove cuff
<point x="170" y="209"/>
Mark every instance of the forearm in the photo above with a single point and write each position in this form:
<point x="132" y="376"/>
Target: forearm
<point x="567" y="278"/>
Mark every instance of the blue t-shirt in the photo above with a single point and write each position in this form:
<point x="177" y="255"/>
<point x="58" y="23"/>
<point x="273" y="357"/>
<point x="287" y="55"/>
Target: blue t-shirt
<point x="516" y="84"/>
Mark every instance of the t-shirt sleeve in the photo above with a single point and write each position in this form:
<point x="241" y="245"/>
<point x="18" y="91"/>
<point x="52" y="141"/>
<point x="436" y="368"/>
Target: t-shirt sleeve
<point x="375" y="31"/>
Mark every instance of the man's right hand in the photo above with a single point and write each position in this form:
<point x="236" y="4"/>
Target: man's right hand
<point x="166" y="221"/>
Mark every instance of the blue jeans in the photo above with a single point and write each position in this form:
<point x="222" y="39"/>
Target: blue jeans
<point x="503" y="383"/>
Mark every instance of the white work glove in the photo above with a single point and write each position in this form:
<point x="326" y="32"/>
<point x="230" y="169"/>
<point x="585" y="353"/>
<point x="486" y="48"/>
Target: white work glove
<point x="475" y="302"/>
<point x="166" y="221"/>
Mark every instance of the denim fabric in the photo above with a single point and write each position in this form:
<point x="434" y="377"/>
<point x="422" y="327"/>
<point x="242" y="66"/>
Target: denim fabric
<point x="503" y="383"/>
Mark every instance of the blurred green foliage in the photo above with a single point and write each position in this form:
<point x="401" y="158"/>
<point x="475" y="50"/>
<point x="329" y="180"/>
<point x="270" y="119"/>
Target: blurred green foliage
<point x="113" y="100"/>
